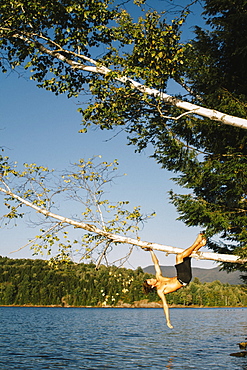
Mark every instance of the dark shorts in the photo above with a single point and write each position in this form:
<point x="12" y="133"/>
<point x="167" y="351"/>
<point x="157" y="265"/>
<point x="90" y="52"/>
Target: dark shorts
<point x="184" y="273"/>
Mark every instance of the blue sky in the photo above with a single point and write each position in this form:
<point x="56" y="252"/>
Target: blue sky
<point x="36" y="126"/>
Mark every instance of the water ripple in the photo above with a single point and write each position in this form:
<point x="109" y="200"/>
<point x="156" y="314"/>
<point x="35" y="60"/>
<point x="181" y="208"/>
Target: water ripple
<point x="91" y="339"/>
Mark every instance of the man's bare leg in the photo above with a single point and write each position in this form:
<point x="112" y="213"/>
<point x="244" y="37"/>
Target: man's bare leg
<point x="198" y="243"/>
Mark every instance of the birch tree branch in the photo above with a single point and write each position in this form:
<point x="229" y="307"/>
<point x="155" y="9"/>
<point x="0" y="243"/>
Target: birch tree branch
<point x="123" y="239"/>
<point x="96" y="68"/>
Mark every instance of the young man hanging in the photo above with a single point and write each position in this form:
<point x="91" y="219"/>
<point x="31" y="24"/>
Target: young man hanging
<point x="165" y="285"/>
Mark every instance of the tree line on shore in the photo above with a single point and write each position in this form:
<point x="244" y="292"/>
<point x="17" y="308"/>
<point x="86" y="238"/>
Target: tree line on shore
<point x="36" y="282"/>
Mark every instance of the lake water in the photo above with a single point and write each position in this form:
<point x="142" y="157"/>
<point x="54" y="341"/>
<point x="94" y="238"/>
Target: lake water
<point x="121" y="338"/>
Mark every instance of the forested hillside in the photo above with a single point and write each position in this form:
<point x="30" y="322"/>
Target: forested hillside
<point x="35" y="282"/>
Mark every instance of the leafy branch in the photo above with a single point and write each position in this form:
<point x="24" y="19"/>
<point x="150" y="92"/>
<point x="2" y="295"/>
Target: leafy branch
<point x="109" y="232"/>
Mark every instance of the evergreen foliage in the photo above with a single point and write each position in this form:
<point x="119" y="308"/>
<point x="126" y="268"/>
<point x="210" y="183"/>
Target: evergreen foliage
<point x="215" y="71"/>
<point x="35" y="282"/>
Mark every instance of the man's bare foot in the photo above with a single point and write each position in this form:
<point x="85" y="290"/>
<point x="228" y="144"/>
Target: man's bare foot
<point x="169" y="325"/>
<point x="199" y="239"/>
<point x="201" y="243"/>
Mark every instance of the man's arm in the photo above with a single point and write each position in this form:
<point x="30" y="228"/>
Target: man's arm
<point x="165" y="307"/>
<point x="156" y="263"/>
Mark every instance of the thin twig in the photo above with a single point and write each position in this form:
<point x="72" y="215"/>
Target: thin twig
<point x="103" y="254"/>
<point x="125" y="258"/>
<point x="33" y="240"/>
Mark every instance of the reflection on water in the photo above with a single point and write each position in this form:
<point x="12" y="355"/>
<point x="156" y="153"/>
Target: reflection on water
<point x="97" y="338"/>
<point x="170" y="363"/>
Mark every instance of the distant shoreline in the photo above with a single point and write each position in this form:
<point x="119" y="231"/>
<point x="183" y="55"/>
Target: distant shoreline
<point x="127" y="305"/>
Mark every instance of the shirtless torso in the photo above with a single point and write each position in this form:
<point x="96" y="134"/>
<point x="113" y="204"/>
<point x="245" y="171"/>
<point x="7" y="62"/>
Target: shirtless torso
<point x="165" y="285"/>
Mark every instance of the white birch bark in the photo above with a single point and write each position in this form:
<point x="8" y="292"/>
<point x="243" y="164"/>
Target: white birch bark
<point x="189" y="107"/>
<point x="124" y="239"/>
<point x="171" y="100"/>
